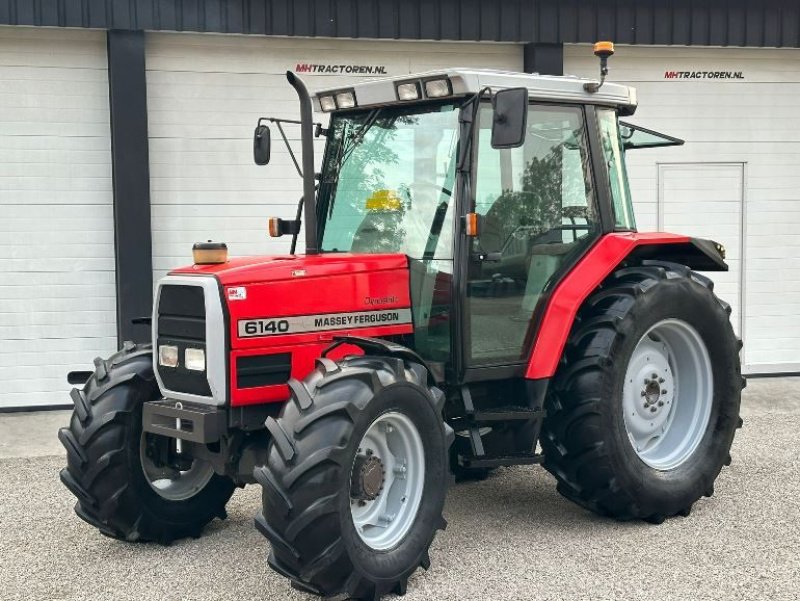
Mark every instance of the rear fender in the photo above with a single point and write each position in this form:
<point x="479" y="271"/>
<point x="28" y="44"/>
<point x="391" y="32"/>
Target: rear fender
<point x="604" y="257"/>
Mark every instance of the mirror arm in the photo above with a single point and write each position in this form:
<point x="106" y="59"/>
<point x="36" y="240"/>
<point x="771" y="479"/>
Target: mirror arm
<point x="289" y="148"/>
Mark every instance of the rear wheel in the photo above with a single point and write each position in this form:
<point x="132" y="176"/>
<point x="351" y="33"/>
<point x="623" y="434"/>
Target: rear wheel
<point x="121" y="489"/>
<point x="643" y="409"/>
<point x="356" y="477"/>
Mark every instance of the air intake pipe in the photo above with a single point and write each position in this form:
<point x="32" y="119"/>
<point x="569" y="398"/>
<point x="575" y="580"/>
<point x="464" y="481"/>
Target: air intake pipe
<point x="309" y="180"/>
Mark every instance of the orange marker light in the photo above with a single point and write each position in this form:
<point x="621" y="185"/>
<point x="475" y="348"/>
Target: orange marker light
<point x="274" y="227"/>
<point x="472" y="224"/>
<point x="604" y="49"/>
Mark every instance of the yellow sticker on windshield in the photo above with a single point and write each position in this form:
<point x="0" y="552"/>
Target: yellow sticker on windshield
<point x="384" y="200"/>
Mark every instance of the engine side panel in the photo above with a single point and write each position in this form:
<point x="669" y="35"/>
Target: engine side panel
<point x="298" y="317"/>
<point x="591" y="270"/>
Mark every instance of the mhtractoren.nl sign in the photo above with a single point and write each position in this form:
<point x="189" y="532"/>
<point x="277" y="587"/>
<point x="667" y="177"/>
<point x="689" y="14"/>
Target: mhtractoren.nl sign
<point x="309" y="68"/>
<point x="703" y="75"/>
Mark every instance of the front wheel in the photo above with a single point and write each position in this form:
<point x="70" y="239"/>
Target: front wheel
<point x="356" y="477"/>
<point x="121" y="489"/>
<point x="643" y="410"/>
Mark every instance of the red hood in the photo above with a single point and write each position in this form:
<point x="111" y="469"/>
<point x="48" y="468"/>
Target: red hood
<point x="248" y="270"/>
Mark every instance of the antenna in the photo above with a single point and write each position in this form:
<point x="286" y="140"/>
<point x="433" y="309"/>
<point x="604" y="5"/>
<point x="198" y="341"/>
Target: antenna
<point x="602" y="50"/>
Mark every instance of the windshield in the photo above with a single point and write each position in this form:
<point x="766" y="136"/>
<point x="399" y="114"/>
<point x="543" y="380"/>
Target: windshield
<point x="387" y="182"/>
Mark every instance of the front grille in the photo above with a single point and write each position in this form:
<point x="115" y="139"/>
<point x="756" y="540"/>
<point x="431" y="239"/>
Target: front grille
<point x="182" y="313"/>
<point x="182" y="323"/>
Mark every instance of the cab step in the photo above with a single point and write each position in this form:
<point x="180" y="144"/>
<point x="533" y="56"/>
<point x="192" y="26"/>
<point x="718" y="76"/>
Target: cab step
<point x="509" y="413"/>
<point x="489" y="461"/>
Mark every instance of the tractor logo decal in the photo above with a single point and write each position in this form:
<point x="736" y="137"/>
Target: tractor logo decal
<point x="249" y="328"/>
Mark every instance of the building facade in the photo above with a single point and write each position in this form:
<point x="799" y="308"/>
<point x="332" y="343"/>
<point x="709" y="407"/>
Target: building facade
<point x="126" y="136"/>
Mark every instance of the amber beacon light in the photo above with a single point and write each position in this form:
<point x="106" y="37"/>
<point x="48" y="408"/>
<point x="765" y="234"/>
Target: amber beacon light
<point x="602" y="50"/>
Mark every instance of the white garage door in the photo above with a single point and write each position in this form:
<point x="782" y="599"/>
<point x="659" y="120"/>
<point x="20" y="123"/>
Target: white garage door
<point x="706" y="200"/>
<point x="57" y="303"/>
<point x="205" y="94"/>
<point x="731" y="106"/>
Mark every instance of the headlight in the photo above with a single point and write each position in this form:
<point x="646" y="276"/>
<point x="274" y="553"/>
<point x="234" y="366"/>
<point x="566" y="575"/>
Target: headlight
<point x="408" y="91"/>
<point x="327" y="103"/>
<point x="345" y="100"/>
<point x="437" y="88"/>
<point x="168" y="355"/>
<point x="195" y="359"/>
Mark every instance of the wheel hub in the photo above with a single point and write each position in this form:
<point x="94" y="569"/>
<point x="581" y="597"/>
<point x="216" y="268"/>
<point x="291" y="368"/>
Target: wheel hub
<point x="667" y="392"/>
<point x="367" y="477"/>
<point x="649" y="389"/>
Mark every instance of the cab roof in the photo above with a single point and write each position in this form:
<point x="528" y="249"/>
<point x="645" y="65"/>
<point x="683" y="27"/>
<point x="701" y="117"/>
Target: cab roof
<point x="556" y="88"/>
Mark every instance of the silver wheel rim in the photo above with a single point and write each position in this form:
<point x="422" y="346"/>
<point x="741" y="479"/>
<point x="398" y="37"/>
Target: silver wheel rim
<point x="173" y="484"/>
<point x="668" y="394"/>
<point x="384" y="521"/>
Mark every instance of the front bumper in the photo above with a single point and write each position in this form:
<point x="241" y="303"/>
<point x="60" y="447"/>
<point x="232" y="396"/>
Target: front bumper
<point x="193" y="422"/>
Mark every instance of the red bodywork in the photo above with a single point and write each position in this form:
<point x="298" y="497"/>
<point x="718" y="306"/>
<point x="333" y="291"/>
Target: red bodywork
<point x="287" y="286"/>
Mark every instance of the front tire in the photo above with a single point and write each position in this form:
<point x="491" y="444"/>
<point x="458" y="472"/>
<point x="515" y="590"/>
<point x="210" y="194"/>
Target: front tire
<point x="643" y="409"/>
<point x="118" y="491"/>
<point x="356" y="477"/>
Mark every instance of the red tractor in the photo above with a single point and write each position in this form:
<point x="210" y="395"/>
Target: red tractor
<point x="473" y="287"/>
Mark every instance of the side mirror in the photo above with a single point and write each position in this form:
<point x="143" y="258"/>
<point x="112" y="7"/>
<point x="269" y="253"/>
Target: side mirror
<point x="510" y="119"/>
<point x="261" y="145"/>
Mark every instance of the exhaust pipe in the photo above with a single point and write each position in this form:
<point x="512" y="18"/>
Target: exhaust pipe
<point x="309" y="180"/>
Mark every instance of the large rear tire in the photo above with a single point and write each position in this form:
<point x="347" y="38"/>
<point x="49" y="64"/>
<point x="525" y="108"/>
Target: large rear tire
<point x="643" y="409"/>
<point x="118" y="490"/>
<point x="356" y="477"/>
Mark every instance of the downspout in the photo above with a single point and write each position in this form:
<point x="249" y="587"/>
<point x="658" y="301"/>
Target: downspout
<point x="309" y="183"/>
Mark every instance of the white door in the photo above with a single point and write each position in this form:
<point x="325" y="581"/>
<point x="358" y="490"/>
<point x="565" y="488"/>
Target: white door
<point x="733" y="106"/>
<point x="205" y="94"/>
<point x="706" y="200"/>
<point x="57" y="293"/>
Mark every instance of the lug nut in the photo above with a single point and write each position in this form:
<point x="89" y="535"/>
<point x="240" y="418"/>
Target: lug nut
<point x="660" y="403"/>
<point x="654" y="375"/>
<point x="663" y="392"/>
<point x="644" y="393"/>
<point x="661" y="380"/>
<point x="652" y="409"/>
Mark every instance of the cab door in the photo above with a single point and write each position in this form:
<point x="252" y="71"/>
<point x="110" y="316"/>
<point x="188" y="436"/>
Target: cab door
<point x="537" y="213"/>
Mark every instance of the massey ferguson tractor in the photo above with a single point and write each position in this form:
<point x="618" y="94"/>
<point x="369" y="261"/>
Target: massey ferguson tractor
<point x="473" y="294"/>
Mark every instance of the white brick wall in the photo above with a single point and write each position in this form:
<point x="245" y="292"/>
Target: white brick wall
<point x="57" y="292"/>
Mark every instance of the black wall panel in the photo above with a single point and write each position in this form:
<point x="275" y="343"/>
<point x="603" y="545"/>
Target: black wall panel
<point x="768" y="23"/>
